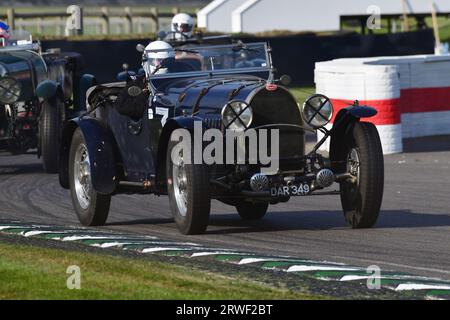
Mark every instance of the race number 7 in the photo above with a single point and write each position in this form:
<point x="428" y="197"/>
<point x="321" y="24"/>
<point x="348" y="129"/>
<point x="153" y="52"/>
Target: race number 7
<point x="163" y="112"/>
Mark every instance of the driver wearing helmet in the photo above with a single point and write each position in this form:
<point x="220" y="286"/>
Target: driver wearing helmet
<point x="182" y="26"/>
<point x="159" y="56"/>
<point x="4" y="34"/>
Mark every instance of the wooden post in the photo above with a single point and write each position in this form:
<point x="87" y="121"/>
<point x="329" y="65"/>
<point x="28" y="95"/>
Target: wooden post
<point x="40" y="29"/>
<point x="98" y="28"/>
<point x="129" y="17"/>
<point x="58" y="23"/>
<point x="155" y="18"/>
<point x="140" y="28"/>
<point x="436" y="29"/>
<point x="105" y="22"/>
<point x="11" y="16"/>
<point x="363" y="23"/>
<point x="405" y="16"/>
<point x="81" y="30"/>
<point x="176" y="10"/>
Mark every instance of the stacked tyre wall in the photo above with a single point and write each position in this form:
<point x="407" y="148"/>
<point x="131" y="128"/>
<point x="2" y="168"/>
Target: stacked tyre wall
<point x="411" y="93"/>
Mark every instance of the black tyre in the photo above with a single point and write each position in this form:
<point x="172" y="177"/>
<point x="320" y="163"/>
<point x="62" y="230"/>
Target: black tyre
<point x="189" y="193"/>
<point x="91" y="207"/>
<point x="50" y="123"/>
<point x="361" y="198"/>
<point x="251" y="211"/>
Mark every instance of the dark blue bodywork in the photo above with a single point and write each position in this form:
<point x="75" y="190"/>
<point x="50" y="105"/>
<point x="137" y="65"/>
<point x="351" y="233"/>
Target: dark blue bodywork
<point x="133" y="150"/>
<point x="137" y="147"/>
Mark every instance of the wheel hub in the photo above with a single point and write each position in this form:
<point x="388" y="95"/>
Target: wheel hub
<point x="180" y="185"/>
<point x="82" y="176"/>
<point x="353" y="165"/>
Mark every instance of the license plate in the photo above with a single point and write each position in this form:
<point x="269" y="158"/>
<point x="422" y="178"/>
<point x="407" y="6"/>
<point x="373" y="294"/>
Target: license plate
<point x="301" y="189"/>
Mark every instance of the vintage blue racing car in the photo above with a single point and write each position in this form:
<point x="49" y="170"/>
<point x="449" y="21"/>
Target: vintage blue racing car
<point x="126" y="142"/>
<point x="38" y="92"/>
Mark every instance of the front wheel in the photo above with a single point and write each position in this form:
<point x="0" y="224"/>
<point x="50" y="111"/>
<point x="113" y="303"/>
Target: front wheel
<point x="91" y="207"/>
<point x="189" y="191"/>
<point x="361" y="198"/>
<point x="50" y="123"/>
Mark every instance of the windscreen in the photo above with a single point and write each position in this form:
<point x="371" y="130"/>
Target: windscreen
<point x="234" y="58"/>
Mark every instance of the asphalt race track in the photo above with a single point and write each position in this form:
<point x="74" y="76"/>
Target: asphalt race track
<point x="412" y="233"/>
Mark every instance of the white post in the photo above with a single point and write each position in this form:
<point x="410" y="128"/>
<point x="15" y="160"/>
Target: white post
<point x="437" y="37"/>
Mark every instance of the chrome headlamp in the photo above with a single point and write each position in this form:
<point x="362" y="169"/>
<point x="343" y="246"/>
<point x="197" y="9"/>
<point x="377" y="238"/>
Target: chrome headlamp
<point x="237" y="115"/>
<point x="9" y="90"/>
<point x="317" y="111"/>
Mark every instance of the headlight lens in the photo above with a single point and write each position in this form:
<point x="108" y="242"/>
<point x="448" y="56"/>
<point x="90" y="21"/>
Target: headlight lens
<point x="9" y="90"/>
<point x="317" y="111"/>
<point x="237" y="115"/>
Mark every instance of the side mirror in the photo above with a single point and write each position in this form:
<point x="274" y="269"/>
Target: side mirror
<point x="161" y="35"/>
<point x="285" y="80"/>
<point x="140" y="48"/>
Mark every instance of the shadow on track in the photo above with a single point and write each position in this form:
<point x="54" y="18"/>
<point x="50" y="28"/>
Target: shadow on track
<point x="315" y="220"/>
<point x="10" y="169"/>
<point x="427" y="144"/>
<point x="323" y="220"/>
<point x="141" y="222"/>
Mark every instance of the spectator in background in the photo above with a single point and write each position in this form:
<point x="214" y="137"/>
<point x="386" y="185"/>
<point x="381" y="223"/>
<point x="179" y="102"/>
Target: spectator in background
<point x="4" y="34"/>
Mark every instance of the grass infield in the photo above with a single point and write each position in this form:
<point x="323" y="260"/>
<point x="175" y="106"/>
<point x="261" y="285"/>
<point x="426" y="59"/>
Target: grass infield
<point x="32" y="272"/>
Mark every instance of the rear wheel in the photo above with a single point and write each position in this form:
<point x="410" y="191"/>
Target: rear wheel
<point x="91" y="207"/>
<point x="49" y="132"/>
<point x="189" y="192"/>
<point x="361" y="198"/>
<point x="251" y="211"/>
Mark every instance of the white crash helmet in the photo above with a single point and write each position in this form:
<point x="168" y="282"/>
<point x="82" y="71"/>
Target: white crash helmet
<point x="156" y="53"/>
<point x="183" y="23"/>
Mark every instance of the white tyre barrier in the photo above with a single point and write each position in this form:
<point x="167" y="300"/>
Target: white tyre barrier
<point x="411" y="94"/>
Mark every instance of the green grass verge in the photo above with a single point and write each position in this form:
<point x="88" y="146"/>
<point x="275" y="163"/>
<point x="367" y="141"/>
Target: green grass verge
<point x="29" y="272"/>
<point x="302" y="93"/>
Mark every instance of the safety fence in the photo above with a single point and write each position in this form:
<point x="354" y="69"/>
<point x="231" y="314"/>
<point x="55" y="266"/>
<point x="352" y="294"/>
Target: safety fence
<point x="91" y="21"/>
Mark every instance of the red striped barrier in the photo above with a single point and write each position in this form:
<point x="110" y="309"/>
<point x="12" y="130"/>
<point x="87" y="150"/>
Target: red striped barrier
<point x="388" y="110"/>
<point x="411" y="94"/>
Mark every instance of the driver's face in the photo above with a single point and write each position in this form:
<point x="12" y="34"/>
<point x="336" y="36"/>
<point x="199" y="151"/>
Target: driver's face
<point x="183" y="27"/>
<point x="157" y="62"/>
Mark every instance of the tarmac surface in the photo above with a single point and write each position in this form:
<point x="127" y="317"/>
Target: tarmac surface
<point x="412" y="233"/>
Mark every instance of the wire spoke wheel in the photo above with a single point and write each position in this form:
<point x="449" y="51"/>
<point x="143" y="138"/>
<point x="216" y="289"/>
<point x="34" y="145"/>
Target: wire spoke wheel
<point x="180" y="185"/>
<point x="82" y="176"/>
<point x="188" y="188"/>
<point x="91" y="207"/>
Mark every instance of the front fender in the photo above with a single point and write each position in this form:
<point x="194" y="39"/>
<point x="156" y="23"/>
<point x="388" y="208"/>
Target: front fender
<point x="86" y="81"/>
<point x="101" y="146"/>
<point x="343" y="124"/>
<point x="48" y="89"/>
<point x="181" y="122"/>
